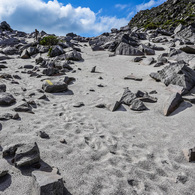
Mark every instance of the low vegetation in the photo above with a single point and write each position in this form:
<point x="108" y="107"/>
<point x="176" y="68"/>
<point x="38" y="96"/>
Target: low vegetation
<point x="49" y="40"/>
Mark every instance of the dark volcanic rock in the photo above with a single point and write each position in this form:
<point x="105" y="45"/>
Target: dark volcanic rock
<point x="6" y="99"/>
<point x="43" y="135"/>
<point x="2" y="88"/>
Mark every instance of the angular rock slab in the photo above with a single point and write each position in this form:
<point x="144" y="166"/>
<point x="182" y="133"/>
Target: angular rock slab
<point x="47" y="183"/>
<point x="24" y="154"/>
<point x="127" y="97"/>
<point x="6" y="99"/>
<point x="54" y="87"/>
<point x="172" y="103"/>
<point x="176" y="74"/>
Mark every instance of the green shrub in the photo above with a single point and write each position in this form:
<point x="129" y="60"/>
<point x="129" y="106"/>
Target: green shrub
<point x="49" y="40"/>
<point x="181" y="22"/>
<point x="151" y="26"/>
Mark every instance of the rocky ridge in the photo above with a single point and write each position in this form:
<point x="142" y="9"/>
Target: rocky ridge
<point x="167" y="15"/>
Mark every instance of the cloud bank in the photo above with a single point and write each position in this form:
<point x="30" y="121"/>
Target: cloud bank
<point x="54" y="17"/>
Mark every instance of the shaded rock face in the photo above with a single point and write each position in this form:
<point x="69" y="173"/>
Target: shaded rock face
<point x="172" y="103"/>
<point x="176" y="74"/>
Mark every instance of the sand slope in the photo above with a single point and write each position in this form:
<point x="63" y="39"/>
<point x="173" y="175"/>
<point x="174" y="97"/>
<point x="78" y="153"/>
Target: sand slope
<point x="107" y="153"/>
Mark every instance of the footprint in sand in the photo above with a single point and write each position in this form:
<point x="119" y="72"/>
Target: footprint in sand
<point x="102" y="141"/>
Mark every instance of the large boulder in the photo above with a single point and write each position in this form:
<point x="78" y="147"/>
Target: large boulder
<point x="42" y="48"/>
<point x="54" y="87"/>
<point x="177" y="74"/>
<point x="126" y="49"/>
<point x="56" y="51"/>
<point x="74" y="55"/>
<point x="10" y="50"/>
<point x="6" y="99"/>
<point x="24" y="154"/>
<point x="32" y="51"/>
<point x="97" y="48"/>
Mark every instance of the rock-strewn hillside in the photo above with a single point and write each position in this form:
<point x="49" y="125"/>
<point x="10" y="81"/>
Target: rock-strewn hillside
<point x="167" y="15"/>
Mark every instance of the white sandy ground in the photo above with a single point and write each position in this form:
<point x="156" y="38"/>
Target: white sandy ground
<point x="148" y="146"/>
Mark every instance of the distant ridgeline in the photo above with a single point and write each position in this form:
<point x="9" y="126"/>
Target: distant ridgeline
<point x="167" y="15"/>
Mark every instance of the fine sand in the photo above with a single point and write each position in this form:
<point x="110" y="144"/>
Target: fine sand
<point x="106" y="153"/>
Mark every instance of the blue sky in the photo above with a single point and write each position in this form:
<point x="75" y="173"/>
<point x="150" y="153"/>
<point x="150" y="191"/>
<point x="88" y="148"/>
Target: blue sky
<point x="84" y="17"/>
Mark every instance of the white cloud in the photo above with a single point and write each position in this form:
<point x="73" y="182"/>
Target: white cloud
<point x="132" y="13"/>
<point x="148" y="5"/>
<point x="54" y="17"/>
<point x="121" y="6"/>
